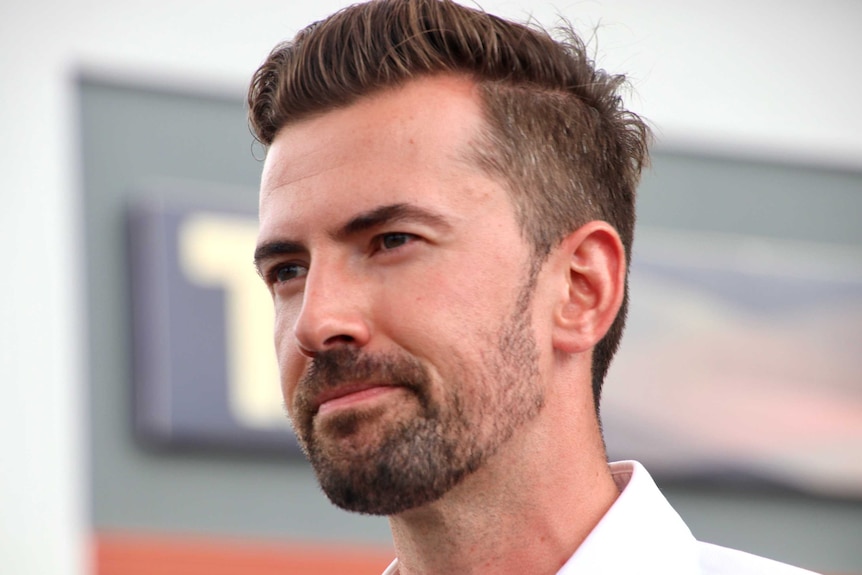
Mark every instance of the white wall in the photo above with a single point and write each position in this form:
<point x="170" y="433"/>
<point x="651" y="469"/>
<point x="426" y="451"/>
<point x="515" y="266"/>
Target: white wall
<point x="778" y="78"/>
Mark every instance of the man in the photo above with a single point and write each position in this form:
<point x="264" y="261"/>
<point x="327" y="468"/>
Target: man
<point x="446" y="219"/>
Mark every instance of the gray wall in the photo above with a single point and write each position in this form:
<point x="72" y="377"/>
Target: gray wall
<point x="137" y="139"/>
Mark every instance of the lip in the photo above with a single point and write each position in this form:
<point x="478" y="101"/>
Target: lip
<point x="349" y="394"/>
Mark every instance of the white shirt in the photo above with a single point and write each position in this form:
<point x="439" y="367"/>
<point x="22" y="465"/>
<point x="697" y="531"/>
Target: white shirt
<point x="641" y="533"/>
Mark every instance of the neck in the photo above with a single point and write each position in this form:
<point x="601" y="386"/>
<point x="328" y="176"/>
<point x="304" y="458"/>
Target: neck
<point x="525" y="511"/>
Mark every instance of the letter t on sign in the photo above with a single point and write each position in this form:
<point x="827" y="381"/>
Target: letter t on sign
<point x="216" y="251"/>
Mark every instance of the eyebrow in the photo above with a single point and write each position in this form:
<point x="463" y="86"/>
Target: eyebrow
<point x="273" y="249"/>
<point x="374" y="218"/>
<point x="389" y="214"/>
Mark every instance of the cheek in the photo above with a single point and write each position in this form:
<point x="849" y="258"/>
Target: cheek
<point x="446" y="311"/>
<point x="290" y="361"/>
<point x="474" y="290"/>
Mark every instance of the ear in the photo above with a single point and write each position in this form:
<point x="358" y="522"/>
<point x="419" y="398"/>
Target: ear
<point x="593" y="261"/>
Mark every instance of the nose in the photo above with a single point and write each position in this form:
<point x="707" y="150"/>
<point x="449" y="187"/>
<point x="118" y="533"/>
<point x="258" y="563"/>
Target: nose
<point x="333" y="313"/>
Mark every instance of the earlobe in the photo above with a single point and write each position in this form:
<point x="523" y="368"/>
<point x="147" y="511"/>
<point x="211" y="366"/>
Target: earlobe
<point x="594" y="265"/>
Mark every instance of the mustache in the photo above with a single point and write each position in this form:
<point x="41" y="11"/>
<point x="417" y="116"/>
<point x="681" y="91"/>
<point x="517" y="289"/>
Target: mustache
<point x="332" y="368"/>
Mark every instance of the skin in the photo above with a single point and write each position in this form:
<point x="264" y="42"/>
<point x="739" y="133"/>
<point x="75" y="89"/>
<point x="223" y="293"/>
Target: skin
<point x="436" y="285"/>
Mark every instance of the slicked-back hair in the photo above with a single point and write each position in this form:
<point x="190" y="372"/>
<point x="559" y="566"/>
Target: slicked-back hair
<point x="557" y="132"/>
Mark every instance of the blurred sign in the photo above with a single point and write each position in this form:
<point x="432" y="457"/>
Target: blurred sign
<point x="205" y="372"/>
<point x="741" y="361"/>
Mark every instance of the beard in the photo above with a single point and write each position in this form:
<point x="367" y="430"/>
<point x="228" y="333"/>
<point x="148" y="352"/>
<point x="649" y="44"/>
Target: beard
<point x="415" y="460"/>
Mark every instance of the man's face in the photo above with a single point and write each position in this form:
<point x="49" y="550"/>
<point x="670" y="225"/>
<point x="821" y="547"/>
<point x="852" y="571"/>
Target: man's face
<point x="403" y="293"/>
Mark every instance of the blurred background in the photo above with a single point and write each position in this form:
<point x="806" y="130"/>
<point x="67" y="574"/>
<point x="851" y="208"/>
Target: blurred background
<point x="134" y="439"/>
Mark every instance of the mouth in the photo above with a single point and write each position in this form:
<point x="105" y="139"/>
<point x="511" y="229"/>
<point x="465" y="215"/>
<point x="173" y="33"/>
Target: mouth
<point x="350" y="395"/>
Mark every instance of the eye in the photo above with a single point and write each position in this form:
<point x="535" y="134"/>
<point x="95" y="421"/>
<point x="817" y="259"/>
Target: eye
<point x="286" y="272"/>
<point x="391" y="241"/>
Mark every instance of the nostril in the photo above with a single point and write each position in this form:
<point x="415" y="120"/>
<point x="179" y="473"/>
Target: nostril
<point x="307" y="352"/>
<point x="329" y="343"/>
<point x="341" y="339"/>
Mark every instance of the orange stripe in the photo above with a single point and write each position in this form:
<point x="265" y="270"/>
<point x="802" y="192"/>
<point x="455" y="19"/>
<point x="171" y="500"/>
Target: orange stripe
<point x="139" y="554"/>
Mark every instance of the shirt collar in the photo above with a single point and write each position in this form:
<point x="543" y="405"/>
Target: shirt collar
<point x="640" y="533"/>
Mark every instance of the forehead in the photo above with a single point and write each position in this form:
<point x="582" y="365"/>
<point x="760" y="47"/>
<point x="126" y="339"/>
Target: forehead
<point x="412" y="142"/>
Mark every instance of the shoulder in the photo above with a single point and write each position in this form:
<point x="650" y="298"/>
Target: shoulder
<point x="717" y="560"/>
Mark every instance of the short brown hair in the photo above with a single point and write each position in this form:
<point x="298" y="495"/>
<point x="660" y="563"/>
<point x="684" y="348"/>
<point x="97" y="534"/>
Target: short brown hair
<point x="557" y="131"/>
